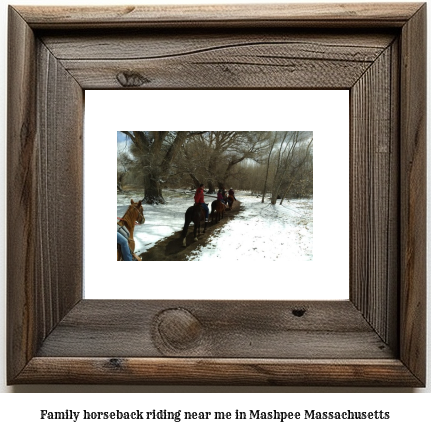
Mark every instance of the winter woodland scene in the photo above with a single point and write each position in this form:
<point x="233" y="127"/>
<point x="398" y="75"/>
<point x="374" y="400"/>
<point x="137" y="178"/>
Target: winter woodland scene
<point x="264" y="178"/>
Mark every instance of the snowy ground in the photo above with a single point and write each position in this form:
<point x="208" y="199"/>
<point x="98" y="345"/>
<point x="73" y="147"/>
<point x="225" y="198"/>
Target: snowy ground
<point x="160" y="220"/>
<point x="260" y="231"/>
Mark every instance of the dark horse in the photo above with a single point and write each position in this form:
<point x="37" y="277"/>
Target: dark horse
<point x="195" y="214"/>
<point x="217" y="210"/>
<point x="230" y="200"/>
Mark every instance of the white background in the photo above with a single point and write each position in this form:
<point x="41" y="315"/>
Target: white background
<point x="326" y="113"/>
<point x="22" y="410"/>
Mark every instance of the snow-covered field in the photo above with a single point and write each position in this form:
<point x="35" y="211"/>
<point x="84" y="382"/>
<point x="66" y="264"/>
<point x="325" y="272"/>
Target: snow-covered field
<point x="259" y="231"/>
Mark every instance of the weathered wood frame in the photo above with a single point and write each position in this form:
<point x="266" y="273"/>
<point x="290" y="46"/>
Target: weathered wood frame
<point x="376" y="338"/>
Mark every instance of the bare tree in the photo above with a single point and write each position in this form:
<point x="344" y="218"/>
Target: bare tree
<point x="287" y="150"/>
<point x="277" y="162"/>
<point x="154" y="153"/>
<point x="275" y="137"/>
<point x="217" y="154"/>
<point x="297" y="174"/>
<point x="124" y="165"/>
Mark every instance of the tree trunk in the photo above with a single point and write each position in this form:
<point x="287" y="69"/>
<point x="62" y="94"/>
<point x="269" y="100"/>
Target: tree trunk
<point x="212" y="168"/>
<point x="286" y="191"/>
<point x="266" y="175"/>
<point x="276" y="186"/>
<point x="267" y="168"/>
<point x="153" y="191"/>
<point x="211" y="188"/>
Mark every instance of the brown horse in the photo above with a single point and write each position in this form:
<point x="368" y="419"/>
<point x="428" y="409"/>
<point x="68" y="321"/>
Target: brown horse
<point x="195" y="214"/>
<point x="135" y="213"/>
<point x="217" y="210"/>
<point x="230" y="201"/>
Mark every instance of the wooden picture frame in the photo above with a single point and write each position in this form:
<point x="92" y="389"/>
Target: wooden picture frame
<point x="376" y="338"/>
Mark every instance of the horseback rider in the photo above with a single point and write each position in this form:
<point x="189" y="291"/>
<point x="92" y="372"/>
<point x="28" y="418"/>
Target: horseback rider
<point x="199" y="199"/>
<point x="125" y="250"/>
<point x="223" y="194"/>
<point x="220" y="196"/>
<point x="232" y="194"/>
<point x="125" y="228"/>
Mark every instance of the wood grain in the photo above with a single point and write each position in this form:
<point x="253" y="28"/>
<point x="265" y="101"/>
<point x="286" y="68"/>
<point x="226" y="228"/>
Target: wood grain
<point x="300" y="15"/>
<point x="377" y="338"/>
<point x="204" y="59"/>
<point x="240" y="329"/>
<point x="44" y="194"/>
<point x="196" y="371"/>
<point x="59" y="185"/>
<point x="21" y="195"/>
<point x="140" y="45"/>
<point x="373" y="194"/>
<point x="413" y="194"/>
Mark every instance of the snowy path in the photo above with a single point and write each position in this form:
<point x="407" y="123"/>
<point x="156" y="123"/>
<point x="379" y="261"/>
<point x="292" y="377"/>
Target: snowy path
<point x="259" y="231"/>
<point x="262" y="231"/>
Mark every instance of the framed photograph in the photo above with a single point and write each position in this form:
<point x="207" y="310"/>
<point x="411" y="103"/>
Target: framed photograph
<point x="375" y="337"/>
<point x="258" y="250"/>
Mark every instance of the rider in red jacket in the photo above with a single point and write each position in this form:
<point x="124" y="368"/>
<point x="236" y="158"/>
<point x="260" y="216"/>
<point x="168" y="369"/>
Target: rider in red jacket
<point x="199" y="199"/>
<point x="199" y="195"/>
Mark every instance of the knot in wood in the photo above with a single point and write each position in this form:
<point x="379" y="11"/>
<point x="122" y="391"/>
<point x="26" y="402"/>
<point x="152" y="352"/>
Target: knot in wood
<point x="115" y="363"/>
<point x="178" y="329"/>
<point x="298" y="312"/>
<point x="131" y="79"/>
